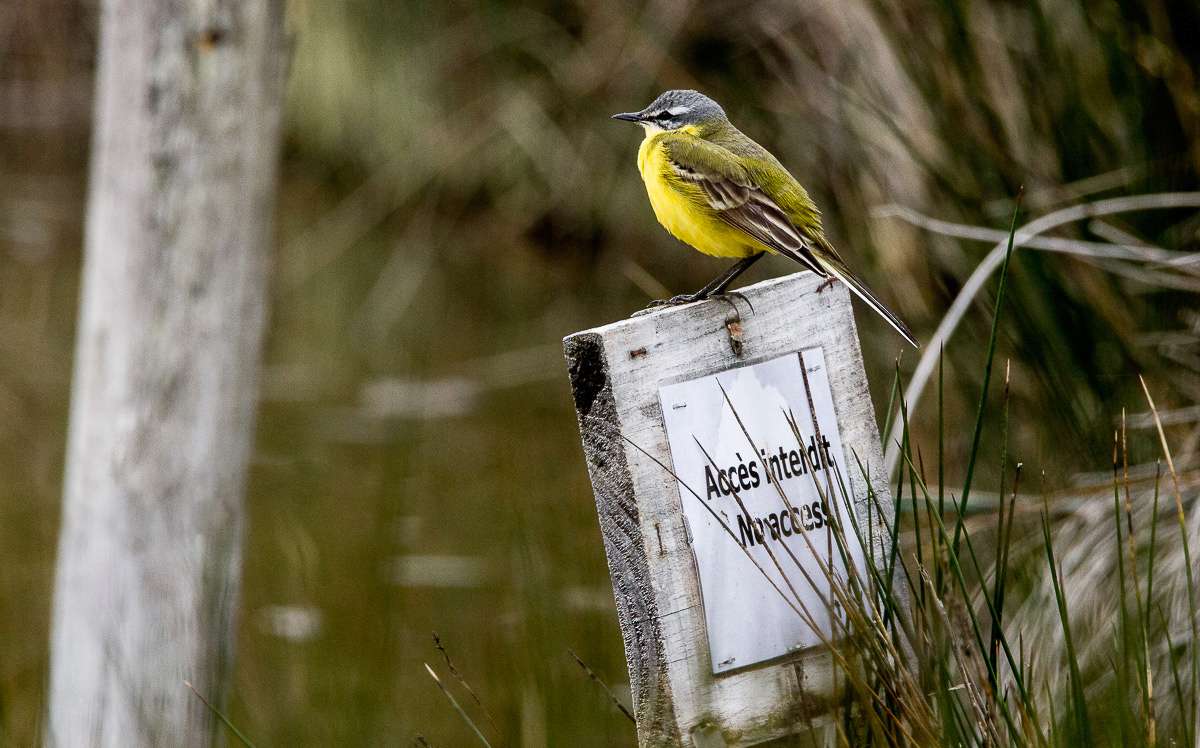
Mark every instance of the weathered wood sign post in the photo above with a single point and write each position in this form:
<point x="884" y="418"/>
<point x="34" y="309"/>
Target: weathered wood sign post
<point x="722" y="438"/>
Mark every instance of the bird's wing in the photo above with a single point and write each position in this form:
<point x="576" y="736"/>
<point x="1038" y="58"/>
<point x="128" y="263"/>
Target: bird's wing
<point x="732" y="192"/>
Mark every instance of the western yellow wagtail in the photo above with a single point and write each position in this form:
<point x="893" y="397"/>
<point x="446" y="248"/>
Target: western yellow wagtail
<point x="727" y="196"/>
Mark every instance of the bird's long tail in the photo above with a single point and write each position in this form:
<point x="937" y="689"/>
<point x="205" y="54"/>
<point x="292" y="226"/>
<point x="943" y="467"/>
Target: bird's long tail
<point x="860" y="289"/>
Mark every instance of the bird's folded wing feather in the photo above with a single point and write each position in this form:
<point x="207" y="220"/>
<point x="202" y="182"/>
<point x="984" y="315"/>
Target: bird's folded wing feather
<point x="737" y="199"/>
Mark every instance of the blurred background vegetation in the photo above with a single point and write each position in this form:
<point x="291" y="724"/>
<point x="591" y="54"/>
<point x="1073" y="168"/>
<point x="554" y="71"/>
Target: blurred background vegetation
<point x="454" y="200"/>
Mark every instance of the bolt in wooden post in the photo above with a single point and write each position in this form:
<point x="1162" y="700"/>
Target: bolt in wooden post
<point x="717" y="654"/>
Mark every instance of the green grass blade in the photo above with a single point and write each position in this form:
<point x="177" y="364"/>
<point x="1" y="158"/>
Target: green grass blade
<point x="987" y="378"/>
<point x="220" y="715"/>
<point x="1078" y="702"/>
<point x="1153" y="540"/>
<point x="887" y="425"/>
<point x="1187" y="566"/>
<point x="454" y="702"/>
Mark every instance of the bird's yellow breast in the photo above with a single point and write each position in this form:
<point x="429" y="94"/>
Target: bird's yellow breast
<point x="682" y="208"/>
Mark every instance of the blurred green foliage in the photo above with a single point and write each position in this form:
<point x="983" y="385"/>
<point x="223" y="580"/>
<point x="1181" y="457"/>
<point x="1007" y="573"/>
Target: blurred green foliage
<point x="455" y="200"/>
<point x="487" y="121"/>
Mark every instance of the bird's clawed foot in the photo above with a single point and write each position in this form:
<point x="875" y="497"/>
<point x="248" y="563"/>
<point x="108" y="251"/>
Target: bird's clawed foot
<point x="683" y="298"/>
<point x="827" y="283"/>
<point x="688" y="298"/>
<point x="729" y="296"/>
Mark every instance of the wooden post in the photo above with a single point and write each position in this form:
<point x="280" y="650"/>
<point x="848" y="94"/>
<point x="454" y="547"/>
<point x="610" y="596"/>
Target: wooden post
<point x="712" y="660"/>
<point x="173" y="301"/>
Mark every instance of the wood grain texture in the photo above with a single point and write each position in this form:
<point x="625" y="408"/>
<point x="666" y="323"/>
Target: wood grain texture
<point x="621" y="528"/>
<point x="616" y="372"/>
<point x="174" y="294"/>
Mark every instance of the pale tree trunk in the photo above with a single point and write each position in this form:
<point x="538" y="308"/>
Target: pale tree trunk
<point x="184" y="169"/>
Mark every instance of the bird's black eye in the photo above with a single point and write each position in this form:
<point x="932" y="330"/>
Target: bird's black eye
<point x="664" y="114"/>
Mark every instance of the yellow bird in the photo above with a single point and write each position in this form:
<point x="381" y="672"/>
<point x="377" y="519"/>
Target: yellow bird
<point x="716" y="189"/>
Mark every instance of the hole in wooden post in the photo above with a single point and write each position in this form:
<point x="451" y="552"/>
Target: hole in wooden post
<point x="706" y="735"/>
<point x="210" y="38"/>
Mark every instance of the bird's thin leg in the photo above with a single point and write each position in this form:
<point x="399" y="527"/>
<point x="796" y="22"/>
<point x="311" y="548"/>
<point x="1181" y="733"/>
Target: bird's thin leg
<point x="715" y="288"/>
<point x="721" y="282"/>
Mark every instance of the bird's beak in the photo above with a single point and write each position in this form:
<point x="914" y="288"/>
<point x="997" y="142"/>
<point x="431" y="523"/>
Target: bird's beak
<point x="628" y="116"/>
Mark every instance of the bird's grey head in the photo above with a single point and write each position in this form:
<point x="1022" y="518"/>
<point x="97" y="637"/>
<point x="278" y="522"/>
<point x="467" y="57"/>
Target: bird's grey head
<point x="675" y="109"/>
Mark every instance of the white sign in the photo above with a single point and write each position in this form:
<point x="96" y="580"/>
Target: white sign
<point x="718" y="463"/>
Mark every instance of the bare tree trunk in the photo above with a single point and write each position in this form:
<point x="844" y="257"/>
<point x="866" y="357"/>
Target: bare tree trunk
<point x="184" y="168"/>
